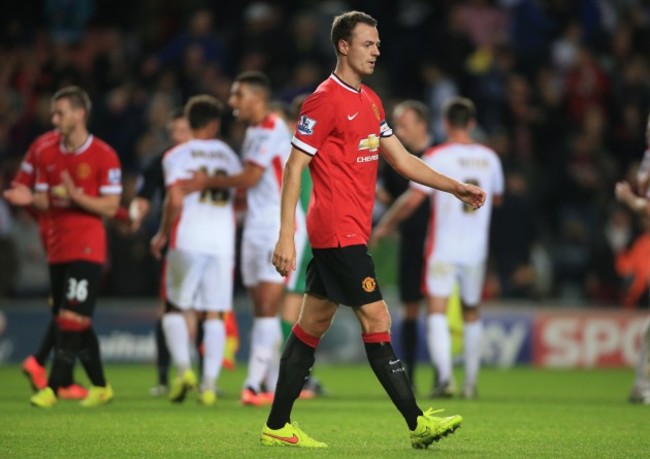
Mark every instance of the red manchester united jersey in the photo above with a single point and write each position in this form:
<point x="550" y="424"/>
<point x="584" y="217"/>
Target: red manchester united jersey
<point x="72" y="233"/>
<point x="340" y="127"/>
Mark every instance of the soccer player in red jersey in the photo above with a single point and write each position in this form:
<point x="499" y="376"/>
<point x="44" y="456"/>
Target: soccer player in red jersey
<point x="78" y="182"/>
<point x="34" y="365"/>
<point x="340" y="133"/>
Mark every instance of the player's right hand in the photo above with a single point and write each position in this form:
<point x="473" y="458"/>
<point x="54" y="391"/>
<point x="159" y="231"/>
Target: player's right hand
<point x="158" y="243"/>
<point x="284" y="256"/>
<point x="19" y="195"/>
<point x="198" y="182"/>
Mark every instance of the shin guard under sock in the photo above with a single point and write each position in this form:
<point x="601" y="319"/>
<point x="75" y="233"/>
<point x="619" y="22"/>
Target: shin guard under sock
<point x="91" y="358"/>
<point x="68" y="344"/>
<point x="295" y="366"/>
<point x="390" y="372"/>
<point x="409" y="338"/>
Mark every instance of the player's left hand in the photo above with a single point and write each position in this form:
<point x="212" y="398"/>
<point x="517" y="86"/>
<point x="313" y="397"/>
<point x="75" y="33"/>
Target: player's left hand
<point x="198" y="182"/>
<point x="19" y="195"/>
<point x="471" y="195"/>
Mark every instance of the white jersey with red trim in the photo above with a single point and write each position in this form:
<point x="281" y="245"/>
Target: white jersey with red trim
<point x="457" y="233"/>
<point x="266" y="145"/>
<point x="207" y="220"/>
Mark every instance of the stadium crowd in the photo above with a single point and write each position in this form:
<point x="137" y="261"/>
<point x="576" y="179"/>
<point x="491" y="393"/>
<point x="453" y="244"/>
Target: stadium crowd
<point x="562" y="90"/>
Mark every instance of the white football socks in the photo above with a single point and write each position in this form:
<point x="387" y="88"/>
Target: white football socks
<point x="472" y="344"/>
<point x="264" y="338"/>
<point x="214" y="344"/>
<point x="439" y="345"/>
<point x="177" y="337"/>
<point x="271" y="379"/>
<point x="642" y="379"/>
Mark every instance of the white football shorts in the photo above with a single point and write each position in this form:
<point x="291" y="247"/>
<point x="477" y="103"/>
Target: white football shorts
<point x="257" y="259"/>
<point x="441" y="276"/>
<point x="199" y="281"/>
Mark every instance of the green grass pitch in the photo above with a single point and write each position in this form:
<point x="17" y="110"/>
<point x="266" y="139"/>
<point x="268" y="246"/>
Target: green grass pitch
<point x="527" y="413"/>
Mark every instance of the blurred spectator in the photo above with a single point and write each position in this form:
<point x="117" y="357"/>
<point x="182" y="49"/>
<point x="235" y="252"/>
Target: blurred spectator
<point x="197" y="40"/>
<point x="564" y="52"/>
<point x="451" y="45"/>
<point x="68" y="19"/>
<point x="531" y="29"/>
<point x="119" y="121"/>
<point x="586" y="85"/>
<point x="305" y="43"/>
<point x="490" y="84"/>
<point x="485" y="24"/>
<point x="438" y="89"/>
<point x="261" y="43"/>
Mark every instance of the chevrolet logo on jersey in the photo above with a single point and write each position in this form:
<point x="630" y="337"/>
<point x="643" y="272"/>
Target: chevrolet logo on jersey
<point x="370" y="143"/>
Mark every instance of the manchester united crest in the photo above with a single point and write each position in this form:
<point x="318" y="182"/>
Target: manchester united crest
<point x="83" y="171"/>
<point x="375" y="110"/>
<point x="369" y="285"/>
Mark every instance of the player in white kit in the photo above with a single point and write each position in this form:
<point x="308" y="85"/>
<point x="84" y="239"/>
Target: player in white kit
<point x="200" y="230"/>
<point x="265" y="150"/>
<point x="457" y="241"/>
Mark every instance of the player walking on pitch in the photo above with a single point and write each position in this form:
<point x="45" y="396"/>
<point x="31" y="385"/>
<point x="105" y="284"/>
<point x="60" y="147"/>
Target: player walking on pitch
<point x="339" y="134"/>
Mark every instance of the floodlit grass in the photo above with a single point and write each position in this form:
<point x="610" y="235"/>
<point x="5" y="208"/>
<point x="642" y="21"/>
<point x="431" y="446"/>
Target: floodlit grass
<point x="520" y="413"/>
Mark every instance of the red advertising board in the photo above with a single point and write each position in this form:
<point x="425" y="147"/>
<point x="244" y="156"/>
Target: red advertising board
<point x="587" y="339"/>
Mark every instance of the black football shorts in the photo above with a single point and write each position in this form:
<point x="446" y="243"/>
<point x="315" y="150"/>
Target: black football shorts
<point x="74" y="286"/>
<point x="344" y="275"/>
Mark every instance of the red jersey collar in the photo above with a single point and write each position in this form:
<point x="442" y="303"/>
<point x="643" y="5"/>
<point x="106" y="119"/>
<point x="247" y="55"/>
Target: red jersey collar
<point x="80" y="149"/>
<point x="342" y="83"/>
